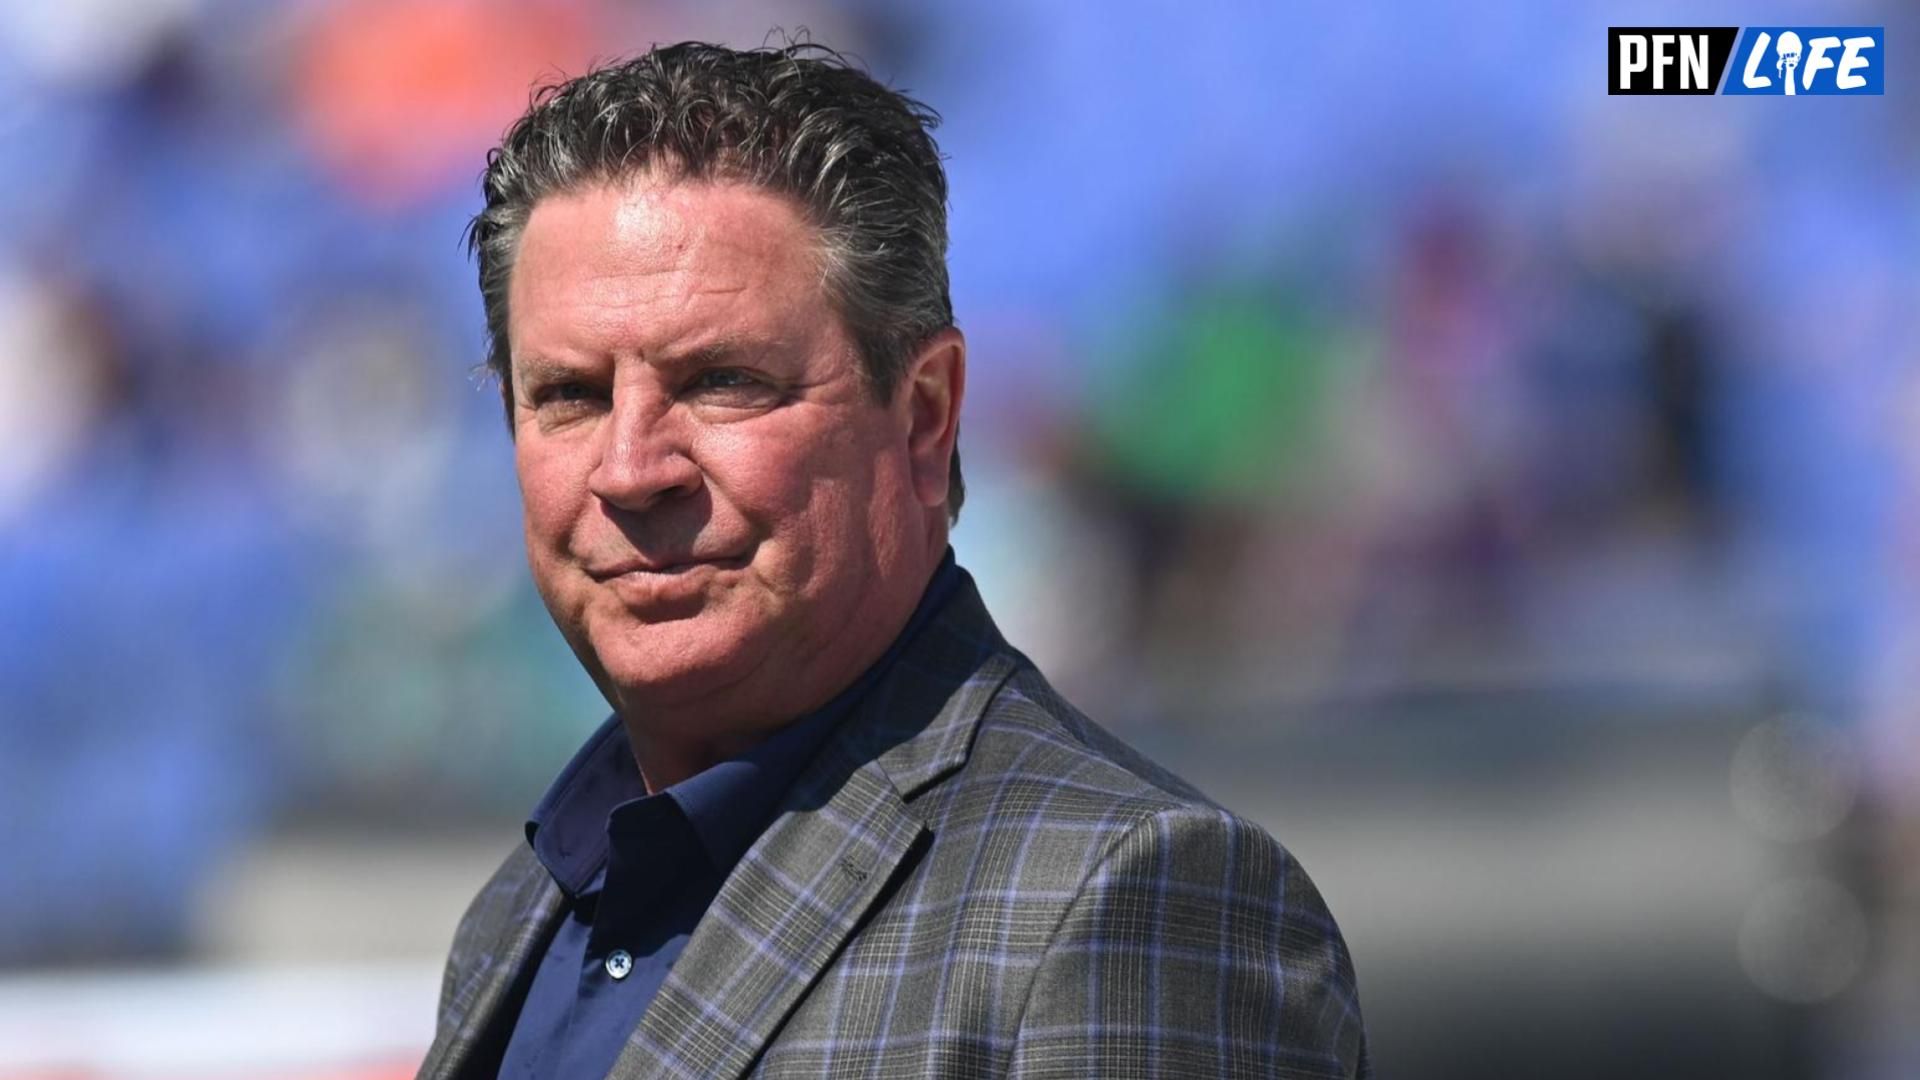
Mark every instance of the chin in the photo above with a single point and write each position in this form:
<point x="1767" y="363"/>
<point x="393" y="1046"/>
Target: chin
<point x="677" y="661"/>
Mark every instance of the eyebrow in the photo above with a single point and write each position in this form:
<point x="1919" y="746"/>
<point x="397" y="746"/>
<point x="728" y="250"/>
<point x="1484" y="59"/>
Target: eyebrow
<point x="540" y="369"/>
<point x="725" y="351"/>
<point x="731" y="350"/>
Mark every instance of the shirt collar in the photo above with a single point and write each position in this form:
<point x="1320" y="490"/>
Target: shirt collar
<point x="568" y="826"/>
<point x="727" y="804"/>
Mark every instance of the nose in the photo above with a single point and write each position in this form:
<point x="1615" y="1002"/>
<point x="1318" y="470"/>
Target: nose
<point x="645" y="459"/>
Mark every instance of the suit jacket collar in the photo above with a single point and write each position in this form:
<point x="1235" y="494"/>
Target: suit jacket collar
<point x="842" y="833"/>
<point x="918" y="723"/>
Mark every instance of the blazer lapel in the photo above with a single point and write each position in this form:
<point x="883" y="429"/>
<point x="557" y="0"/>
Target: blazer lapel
<point x="842" y="834"/>
<point x="781" y="915"/>
<point x="493" y="959"/>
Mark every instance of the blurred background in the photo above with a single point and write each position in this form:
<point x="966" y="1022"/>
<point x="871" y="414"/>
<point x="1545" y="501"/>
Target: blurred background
<point x="1507" y="493"/>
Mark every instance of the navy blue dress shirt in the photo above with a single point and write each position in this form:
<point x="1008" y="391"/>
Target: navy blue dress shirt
<point x="639" y="870"/>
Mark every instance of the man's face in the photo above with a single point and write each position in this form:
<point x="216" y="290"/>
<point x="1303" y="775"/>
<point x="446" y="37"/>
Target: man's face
<point x="714" y="498"/>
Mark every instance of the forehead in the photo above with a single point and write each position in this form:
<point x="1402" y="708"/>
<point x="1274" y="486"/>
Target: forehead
<point x="651" y="264"/>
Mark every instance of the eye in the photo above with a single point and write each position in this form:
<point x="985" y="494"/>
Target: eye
<point x="731" y="393"/>
<point x="722" y="379"/>
<point x="569" y="392"/>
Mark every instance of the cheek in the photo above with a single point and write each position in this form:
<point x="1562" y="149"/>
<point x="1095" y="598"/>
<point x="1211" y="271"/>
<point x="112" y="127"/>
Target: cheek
<point x="852" y="503"/>
<point x="890" y="506"/>
<point x="777" y="475"/>
<point x="548" y="495"/>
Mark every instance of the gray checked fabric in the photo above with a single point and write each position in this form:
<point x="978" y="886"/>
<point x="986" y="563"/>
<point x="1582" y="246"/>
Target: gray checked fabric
<point x="971" y="879"/>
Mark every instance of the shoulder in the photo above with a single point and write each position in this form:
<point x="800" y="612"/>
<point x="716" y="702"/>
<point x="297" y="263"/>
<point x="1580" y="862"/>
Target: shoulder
<point x="1169" y="903"/>
<point x="1031" y="741"/>
<point x="1075" y="795"/>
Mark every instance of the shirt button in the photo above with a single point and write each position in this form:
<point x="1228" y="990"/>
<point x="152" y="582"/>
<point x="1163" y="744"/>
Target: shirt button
<point x="619" y="963"/>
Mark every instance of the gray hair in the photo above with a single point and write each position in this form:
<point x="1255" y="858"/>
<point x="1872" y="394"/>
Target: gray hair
<point x="798" y="120"/>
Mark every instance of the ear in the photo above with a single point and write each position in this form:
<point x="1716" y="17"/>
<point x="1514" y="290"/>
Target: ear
<point x="932" y="387"/>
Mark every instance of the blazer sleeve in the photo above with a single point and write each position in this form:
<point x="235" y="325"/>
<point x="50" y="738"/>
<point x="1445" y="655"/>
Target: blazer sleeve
<point x="1196" y="947"/>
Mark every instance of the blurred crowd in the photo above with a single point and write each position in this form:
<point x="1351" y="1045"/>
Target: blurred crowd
<point x="1316" y="355"/>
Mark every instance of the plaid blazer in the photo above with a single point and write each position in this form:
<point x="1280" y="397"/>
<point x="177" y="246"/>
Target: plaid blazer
<point x="970" y="879"/>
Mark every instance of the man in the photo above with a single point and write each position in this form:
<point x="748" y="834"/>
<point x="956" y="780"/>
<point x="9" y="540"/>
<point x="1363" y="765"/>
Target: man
<point x="836" y="825"/>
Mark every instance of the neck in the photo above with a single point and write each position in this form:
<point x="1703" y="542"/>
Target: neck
<point x="665" y="763"/>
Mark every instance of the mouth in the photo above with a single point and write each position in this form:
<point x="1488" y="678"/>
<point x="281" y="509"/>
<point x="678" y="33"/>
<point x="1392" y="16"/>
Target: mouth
<point x="663" y="567"/>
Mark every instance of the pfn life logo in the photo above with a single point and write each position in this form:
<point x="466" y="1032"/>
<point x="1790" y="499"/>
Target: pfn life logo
<point x="1787" y="60"/>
